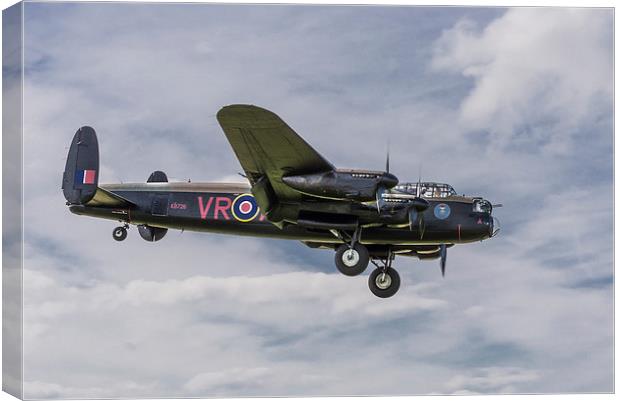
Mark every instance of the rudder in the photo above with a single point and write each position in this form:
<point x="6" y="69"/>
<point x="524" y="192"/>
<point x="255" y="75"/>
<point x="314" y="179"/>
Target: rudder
<point x="81" y="175"/>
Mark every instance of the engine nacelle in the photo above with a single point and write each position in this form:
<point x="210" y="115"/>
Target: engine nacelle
<point x="359" y="185"/>
<point x="151" y="234"/>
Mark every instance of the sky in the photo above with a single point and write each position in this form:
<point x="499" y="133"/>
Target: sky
<point x="511" y="104"/>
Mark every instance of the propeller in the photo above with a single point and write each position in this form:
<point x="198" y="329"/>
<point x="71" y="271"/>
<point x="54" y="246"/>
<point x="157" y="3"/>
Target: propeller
<point x="415" y="214"/>
<point x="418" y="205"/>
<point x="443" y="254"/>
<point x="381" y="189"/>
<point x="379" y="197"/>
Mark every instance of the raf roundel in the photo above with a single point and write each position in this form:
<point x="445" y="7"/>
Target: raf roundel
<point x="442" y="211"/>
<point x="244" y="208"/>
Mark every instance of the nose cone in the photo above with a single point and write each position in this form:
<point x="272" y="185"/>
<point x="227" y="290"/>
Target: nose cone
<point x="389" y="180"/>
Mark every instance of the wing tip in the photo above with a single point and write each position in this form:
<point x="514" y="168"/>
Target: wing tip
<point x="236" y="110"/>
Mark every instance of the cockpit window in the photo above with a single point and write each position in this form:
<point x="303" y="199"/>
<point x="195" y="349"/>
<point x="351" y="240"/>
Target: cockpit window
<point x="427" y="189"/>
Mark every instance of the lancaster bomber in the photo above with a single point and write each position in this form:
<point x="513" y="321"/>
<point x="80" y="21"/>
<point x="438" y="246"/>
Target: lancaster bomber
<point x="292" y="193"/>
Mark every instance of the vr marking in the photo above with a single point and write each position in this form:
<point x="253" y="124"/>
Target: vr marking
<point x="204" y="209"/>
<point x="221" y="208"/>
<point x="243" y="208"/>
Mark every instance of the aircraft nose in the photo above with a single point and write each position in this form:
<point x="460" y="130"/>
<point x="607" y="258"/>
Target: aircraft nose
<point x="389" y="180"/>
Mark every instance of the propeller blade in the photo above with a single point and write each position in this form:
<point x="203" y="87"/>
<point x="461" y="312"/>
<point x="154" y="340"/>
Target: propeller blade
<point x="421" y="226"/>
<point x="443" y="253"/>
<point x="498" y="205"/>
<point x="379" y="197"/>
<point x="387" y="159"/>
<point x="420" y="203"/>
<point x="413" y="215"/>
<point x="419" y="187"/>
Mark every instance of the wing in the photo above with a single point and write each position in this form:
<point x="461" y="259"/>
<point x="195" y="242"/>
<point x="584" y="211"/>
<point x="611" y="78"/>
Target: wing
<point x="268" y="148"/>
<point x="108" y="199"/>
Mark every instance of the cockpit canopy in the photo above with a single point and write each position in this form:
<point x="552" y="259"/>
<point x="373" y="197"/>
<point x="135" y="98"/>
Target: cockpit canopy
<point x="427" y="189"/>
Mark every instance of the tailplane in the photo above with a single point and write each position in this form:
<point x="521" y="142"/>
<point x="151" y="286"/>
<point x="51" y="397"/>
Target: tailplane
<point x="81" y="175"/>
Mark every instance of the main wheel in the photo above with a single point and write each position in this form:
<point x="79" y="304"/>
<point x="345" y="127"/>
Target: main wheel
<point x="384" y="285"/>
<point x="119" y="233"/>
<point x="352" y="261"/>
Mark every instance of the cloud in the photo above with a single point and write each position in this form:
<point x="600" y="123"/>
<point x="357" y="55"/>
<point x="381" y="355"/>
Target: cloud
<point x="324" y="299"/>
<point x="495" y="380"/>
<point x="538" y="73"/>
<point x="240" y="324"/>
<point x="239" y="378"/>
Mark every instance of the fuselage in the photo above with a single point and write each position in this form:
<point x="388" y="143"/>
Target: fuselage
<point x="230" y="208"/>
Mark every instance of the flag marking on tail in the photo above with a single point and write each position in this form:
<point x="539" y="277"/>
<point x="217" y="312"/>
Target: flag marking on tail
<point x="85" y="176"/>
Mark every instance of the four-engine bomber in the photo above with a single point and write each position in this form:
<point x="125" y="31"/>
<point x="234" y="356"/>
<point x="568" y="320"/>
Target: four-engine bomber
<point x="292" y="193"/>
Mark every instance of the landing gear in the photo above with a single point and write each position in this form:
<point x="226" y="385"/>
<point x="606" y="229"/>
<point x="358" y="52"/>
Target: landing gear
<point x="384" y="281"/>
<point x="120" y="233"/>
<point x="351" y="257"/>
<point x="352" y="260"/>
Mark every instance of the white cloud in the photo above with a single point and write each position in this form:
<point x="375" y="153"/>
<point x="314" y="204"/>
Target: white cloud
<point x="223" y="317"/>
<point x="239" y="378"/>
<point x="538" y="72"/>
<point x="323" y="299"/>
<point x="495" y="380"/>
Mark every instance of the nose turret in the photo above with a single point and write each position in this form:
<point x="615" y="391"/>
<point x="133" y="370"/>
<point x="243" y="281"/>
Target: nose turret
<point x="492" y="224"/>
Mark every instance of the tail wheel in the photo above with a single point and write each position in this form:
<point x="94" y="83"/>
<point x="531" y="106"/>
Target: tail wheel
<point x="119" y="233"/>
<point x="352" y="261"/>
<point x="384" y="282"/>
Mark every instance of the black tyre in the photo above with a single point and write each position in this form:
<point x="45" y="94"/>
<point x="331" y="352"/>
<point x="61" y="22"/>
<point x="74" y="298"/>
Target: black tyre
<point x="119" y="233"/>
<point x="384" y="286"/>
<point x="352" y="261"/>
